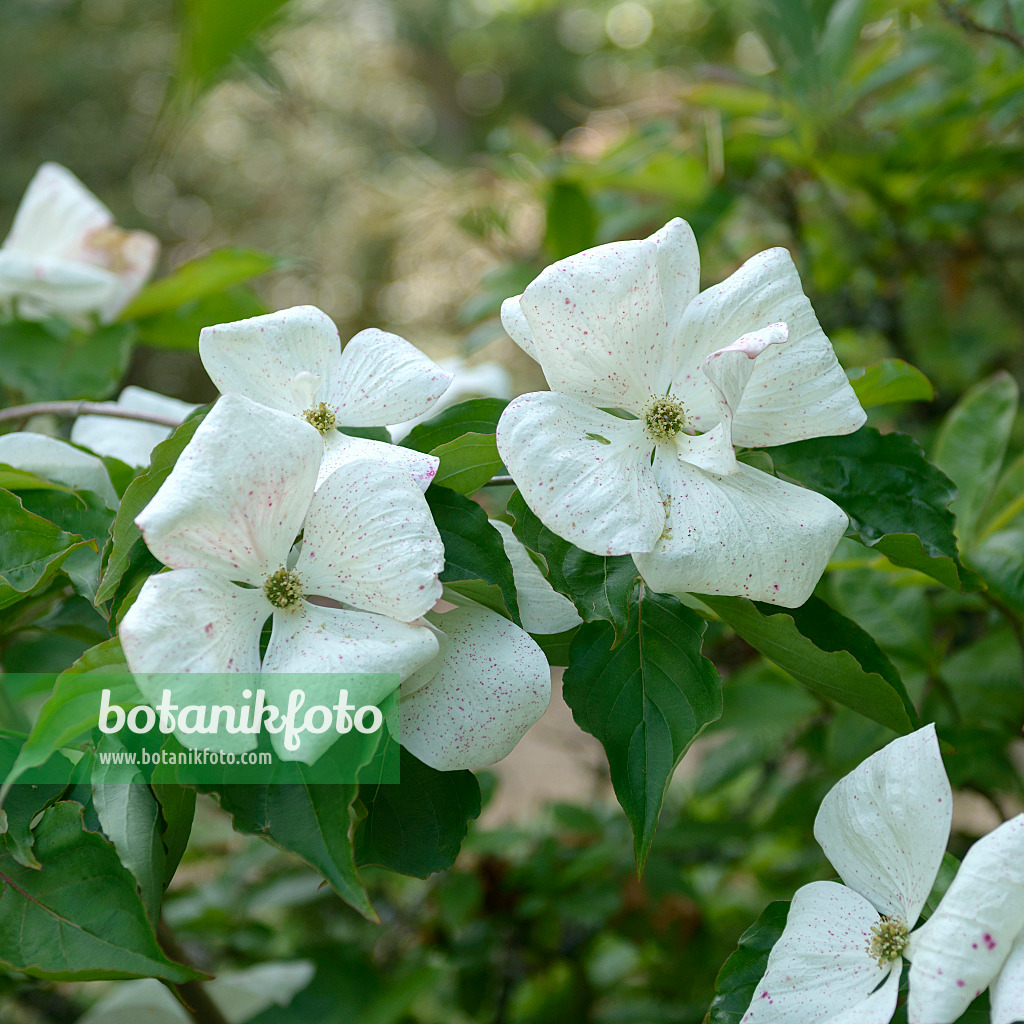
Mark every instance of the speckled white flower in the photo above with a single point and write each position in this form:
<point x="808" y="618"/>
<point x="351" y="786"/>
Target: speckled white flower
<point x="226" y="519"/>
<point x="884" y="827"/>
<point x="975" y="938"/>
<point x="65" y="255"/>
<point x="58" y="461"/>
<point x="293" y="361"/>
<point x="131" y="441"/>
<point x="471" y="704"/>
<point x="652" y="386"/>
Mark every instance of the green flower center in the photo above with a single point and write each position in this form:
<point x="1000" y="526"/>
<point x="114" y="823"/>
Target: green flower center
<point x="888" y="940"/>
<point x="283" y="588"/>
<point x="320" y="417"/>
<point x="664" y="417"/>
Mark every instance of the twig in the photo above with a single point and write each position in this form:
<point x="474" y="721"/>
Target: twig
<point x="500" y="481"/>
<point x="203" y="1009"/>
<point x="959" y="16"/>
<point x="23" y="412"/>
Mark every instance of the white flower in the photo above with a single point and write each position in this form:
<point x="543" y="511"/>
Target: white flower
<point x="484" y="380"/>
<point x="975" y="938"/>
<point x="541" y="608"/>
<point x="632" y="451"/>
<point x="131" y="441"/>
<point x="58" y="461"/>
<point x="226" y="520"/>
<point x="471" y="704"/>
<point x="293" y="361"/>
<point x="884" y="827"/>
<point x="65" y="255"/>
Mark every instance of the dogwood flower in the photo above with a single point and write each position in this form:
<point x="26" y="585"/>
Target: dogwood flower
<point x="226" y="521"/>
<point x="884" y="827"/>
<point x="652" y="386"/>
<point x="131" y="441"/>
<point x="472" y="703"/>
<point x="65" y="255"/>
<point x="293" y="361"/>
<point x="57" y="461"/>
<point x="975" y="938"/>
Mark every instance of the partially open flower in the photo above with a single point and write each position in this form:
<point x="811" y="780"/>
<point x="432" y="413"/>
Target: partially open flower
<point x="65" y="255"/>
<point x="293" y="361"/>
<point x="654" y="386"/>
<point x="227" y="518"/>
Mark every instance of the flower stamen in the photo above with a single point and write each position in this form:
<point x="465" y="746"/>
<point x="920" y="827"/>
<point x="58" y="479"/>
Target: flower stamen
<point x="888" y="940"/>
<point x="664" y="417"/>
<point x="284" y="589"/>
<point x="320" y="417"/>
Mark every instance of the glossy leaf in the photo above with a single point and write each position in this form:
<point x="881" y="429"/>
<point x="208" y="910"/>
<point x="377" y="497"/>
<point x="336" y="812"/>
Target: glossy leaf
<point x="600" y="586"/>
<point x="417" y="826"/>
<point x="889" y="381"/>
<point x="79" y="918"/>
<point x="740" y="974"/>
<point x="467" y="463"/>
<point x="646" y="700"/>
<point x="476" y="416"/>
<point x="897" y="501"/>
<point x="827" y="652"/>
<point x="476" y="565"/>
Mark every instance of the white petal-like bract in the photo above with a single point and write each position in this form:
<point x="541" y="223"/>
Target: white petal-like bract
<point x="58" y="461"/>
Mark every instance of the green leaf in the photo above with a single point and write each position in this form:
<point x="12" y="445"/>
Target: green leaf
<point x="13" y="479"/>
<point x="311" y="821"/>
<point x="467" y="463"/>
<point x="972" y="443"/>
<point x="32" y="549"/>
<point x="27" y="799"/>
<point x="50" y="361"/>
<point x="417" y="826"/>
<point x="125" y="534"/>
<point x="130" y="818"/>
<point x="80" y="917"/>
<point x="179" y="329"/>
<point x="72" y="707"/>
<point x="178" y="809"/>
<point x="600" y="586"/>
<point x="477" y="416"/>
<point x="646" y="700"/>
<point x="897" y="501"/>
<point x="571" y="220"/>
<point x="889" y="381"/>
<point x="207" y="275"/>
<point x="475" y="565"/>
<point x="827" y="652"/>
<point x="738" y="978"/>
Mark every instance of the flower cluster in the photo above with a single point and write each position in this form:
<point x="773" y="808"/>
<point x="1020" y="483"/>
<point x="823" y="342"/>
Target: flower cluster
<point x="884" y="827"/>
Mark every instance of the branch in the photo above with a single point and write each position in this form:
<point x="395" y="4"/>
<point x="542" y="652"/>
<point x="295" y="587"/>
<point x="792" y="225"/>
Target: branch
<point x="958" y="14"/>
<point x="23" y="412"/>
<point x="203" y="1009"/>
<point x="500" y="481"/>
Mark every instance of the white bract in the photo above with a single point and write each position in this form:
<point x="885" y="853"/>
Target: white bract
<point x="65" y="255"/>
<point x="653" y="385"/>
<point x="57" y="461"/>
<point x="884" y="827"/>
<point x="226" y="520"/>
<point x="471" y="704"/>
<point x="293" y="361"/>
<point x="131" y="441"/>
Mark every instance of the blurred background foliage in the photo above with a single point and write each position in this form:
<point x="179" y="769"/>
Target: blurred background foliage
<point x="416" y="161"/>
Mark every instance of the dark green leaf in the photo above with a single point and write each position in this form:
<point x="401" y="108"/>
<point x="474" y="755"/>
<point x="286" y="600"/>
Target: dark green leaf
<point x="897" y="501"/>
<point x="600" y="586"/>
<point x="80" y="917"/>
<point x="416" y="827"/>
<point x="827" y="652"/>
<point x="646" y="700"/>
<point x="467" y="463"/>
<point x="571" y="220"/>
<point x="888" y="381"/>
<point x="126" y="535"/>
<point x="478" y="416"/>
<point x="740" y="974"/>
<point x="179" y="328"/>
<point x="177" y="808"/>
<point x="476" y="565"/>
